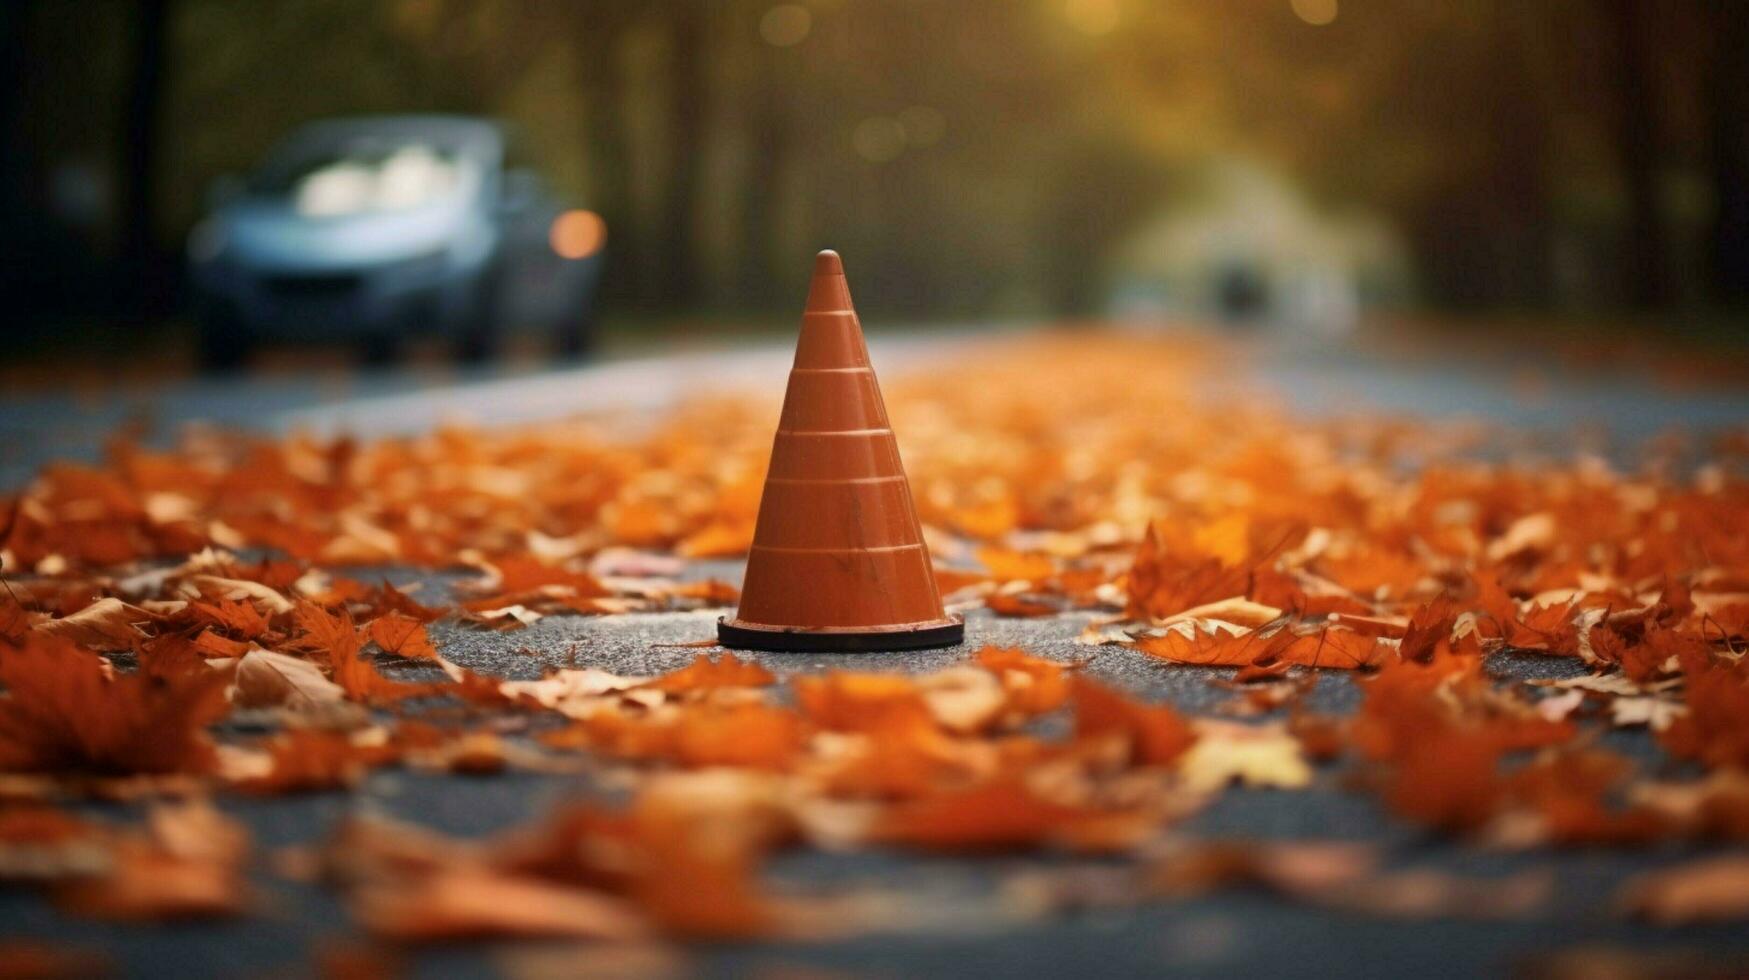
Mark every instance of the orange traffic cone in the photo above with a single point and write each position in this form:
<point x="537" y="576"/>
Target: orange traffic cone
<point x="838" y="560"/>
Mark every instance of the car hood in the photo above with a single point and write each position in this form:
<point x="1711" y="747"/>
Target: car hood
<point x="271" y="236"/>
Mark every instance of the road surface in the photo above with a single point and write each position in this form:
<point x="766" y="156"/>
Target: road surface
<point x="1228" y="934"/>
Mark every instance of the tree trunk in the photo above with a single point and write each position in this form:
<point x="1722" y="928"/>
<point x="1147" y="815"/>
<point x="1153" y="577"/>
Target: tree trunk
<point x="146" y="264"/>
<point x="1646" y="255"/>
<point x="686" y="120"/>
<point x="769" y="126"/>
<point x="1728" y="105"/>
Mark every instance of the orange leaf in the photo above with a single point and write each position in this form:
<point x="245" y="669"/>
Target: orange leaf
<point x="999" y="816"/>
<point x="66" y="711"/>
<point x="704" y="673"/>
<point x="1018" y="606"/>
<point x="1008" y="566"/>
<point x="1157" y="735"/>
<point x="1033" y="685"/>
<point x="402" y="636"/>
<point x="335" y="635"/>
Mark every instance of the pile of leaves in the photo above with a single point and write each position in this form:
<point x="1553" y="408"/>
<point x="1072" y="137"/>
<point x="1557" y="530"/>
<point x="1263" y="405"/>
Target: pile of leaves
<point x="180" y="623"/>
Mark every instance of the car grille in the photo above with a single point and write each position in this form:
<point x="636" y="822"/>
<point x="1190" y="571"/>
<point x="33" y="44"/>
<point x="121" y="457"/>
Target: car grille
<point x="314" y="287"/>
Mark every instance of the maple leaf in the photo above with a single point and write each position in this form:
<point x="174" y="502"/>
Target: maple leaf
<point x="187" y="865"/>
<point x="952" y="580"/>
<point x="1263" y="756"/>
<point x="1001" y="815"/>
<point x="302" y="760"/>
<point x="750" y="735"/>
<point x="723" y="539"/>
<point x="1447" y="779"/>
<point x="1268" y="648"/>
<point x="704" y="673"/>
<point x="1157" y="735"/>
<point x="335" y="635"/>
<point x="1160" y="586"/>
<point x="1712" y="731"/>
<point x="468" y="902"/>
<point x="402" y="636"/>
<point x="1011" y="566"/>
<point x="264" y="678"/>
<point x="218" y="588"/>
<point x="14" y="618"/>
<point x="709" y="592"/>
<point x="1548" y="629"/>
<point x="697" y="845"/>
<point x="963" y="700"/>
<point x="1003" y="604"/>
<point x="107" y="624"/>
<point x="1033" y="685"/>
<point x="65" y="711"/>
<point x="889" y="704"/>
<point x="1428" y="626"/>
<point x="576" y="693"/>
<point x="236" y="617"/>
<point x="519" y="575"/>
<point x="385" y="599"/>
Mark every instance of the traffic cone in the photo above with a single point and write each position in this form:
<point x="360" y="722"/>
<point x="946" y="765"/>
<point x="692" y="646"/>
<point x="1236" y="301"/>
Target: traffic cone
<point x="838" y="560"/>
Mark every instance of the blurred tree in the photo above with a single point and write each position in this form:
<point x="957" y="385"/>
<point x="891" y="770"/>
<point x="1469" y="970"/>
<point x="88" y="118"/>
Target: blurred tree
<point x="971" y="156"/>
<point x="147" y="270"/>
<point x="1727" y="103"/>
<point x="1635" y="29"/>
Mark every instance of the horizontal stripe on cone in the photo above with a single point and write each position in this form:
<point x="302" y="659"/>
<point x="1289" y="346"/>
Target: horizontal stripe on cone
<point x="839" y="589"/>
<point x="829" y="401"/>
<point x="831" y="340"/>
<point x="824" y="455"/>
<point x="868" y="513"/>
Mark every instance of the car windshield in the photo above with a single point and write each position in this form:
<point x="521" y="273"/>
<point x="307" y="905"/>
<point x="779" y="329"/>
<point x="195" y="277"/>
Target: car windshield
<point x="364" y="175"/>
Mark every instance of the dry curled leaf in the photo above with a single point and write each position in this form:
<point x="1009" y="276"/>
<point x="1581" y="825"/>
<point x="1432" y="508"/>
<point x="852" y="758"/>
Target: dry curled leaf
<point x="65" y="711"/>
<point x="267" y="679"/>
<point x="107" y="624"/>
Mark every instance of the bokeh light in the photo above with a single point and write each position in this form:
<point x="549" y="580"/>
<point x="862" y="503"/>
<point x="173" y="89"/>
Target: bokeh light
<point x="578" y="234"/>
<point x="1314" y="12"/>
<point x="878" y="139"/>
<point x="786" y="25"/>
<point x="1093" y="17"/>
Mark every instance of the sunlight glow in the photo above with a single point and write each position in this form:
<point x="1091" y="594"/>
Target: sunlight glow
<point x="786" y="25"/>
<point x="1314" y="12"/>
<point x="1093" y="17"/>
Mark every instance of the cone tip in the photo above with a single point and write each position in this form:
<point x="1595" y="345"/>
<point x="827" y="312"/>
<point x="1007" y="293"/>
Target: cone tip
<point x="827" y="263"/>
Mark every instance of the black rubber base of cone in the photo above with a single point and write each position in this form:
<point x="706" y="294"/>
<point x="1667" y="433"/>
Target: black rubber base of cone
<point x="805" y="641"/>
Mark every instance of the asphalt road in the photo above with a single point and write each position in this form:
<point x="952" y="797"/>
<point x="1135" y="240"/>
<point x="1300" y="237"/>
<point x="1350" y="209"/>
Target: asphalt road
<point x="1230" y="934"/>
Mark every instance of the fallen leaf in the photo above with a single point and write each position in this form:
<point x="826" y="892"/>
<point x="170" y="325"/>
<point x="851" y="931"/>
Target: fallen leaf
<point x="1258" y="756"/>
<point x="65" y="712"/>
<point x="999" y="816"/>
<point x="267" y="679"/>
<point x="402" y="636"/>
<point x="107" y="624"/>
<point x="1712" y="889"/>
<point x="476" y="903"/>
<point x="1156" y="735"/>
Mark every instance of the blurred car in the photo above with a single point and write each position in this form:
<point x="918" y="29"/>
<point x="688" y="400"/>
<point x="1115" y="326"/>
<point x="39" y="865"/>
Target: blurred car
<point x="369" y="230"/>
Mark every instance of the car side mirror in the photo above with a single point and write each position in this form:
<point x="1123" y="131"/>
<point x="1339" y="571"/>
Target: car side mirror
<point x="224" y="189"/>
